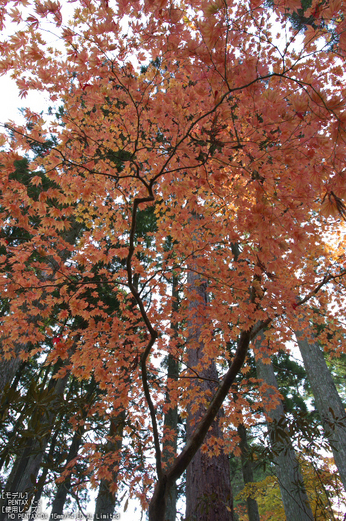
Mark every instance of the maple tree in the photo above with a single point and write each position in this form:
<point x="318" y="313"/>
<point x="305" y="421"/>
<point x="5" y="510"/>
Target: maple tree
<point x="185" y="109"/>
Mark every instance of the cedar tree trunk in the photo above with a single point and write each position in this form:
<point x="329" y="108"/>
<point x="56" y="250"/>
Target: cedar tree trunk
<point x="327" y="399"/>
<point x="246" y="466"/>
<point x="294" y="497"/>
<point x="169" y="448"/>
<point x="208" y="485"/>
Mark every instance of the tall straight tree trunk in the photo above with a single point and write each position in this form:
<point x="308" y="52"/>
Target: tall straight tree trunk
<point x="27" y="464"/>
<point x="327" y="399"/>
<point x="64" y="487"/>
<point x="294" y="497"/>
<point x="43" y="477"/>
<point x="169" y="448"/>
<point x="208" y="486"/>
<point x="8" y="370"/>
<point x="247" y="471"/>
<point x="5" y="404"/>
<point x="106" y="499"/>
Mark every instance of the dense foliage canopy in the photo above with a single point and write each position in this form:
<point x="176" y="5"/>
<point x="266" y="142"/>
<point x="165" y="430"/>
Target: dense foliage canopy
<point x="182" y="137"/>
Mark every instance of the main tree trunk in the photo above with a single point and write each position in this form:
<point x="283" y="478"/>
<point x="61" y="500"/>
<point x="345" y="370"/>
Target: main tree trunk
<point x="208" y="486"/>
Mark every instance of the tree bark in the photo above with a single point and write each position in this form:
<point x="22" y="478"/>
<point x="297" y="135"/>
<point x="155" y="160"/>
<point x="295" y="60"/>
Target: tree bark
<point x="8" y="370"/>
<point x="5" y="404"/>
<point x="106" y="499"/>
<point x="327" y="399"/>
<point x="42" y="479"/>
<point x="157" y="504"/>
<point x="26" y="467"/>
<point x="208" y="485"/>
<point x="63" y="488"/>
<point x="246" y="466"/>
<point x="169" y="448"/>
<point x="294" y="497"/>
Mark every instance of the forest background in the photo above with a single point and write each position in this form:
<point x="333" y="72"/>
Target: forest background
<point x="174" y="211"/>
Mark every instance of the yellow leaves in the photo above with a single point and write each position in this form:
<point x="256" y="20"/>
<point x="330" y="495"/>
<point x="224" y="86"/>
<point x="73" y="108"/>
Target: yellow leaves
<point x="189" y="23"/>
<point x="268" y="497"/>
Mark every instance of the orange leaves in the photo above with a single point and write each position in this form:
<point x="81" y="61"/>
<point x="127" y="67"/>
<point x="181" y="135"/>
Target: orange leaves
<point x="256" y="3"/>
<point x="214" y="445"/>
<point x="175" y="15"/>
<point x="16" y="16"/>
<point x="33" y="21"/>
<point x="18" y="40"/>
<point x="330" y="11"/>
<point x="34" y="53"/>
<point x="36" y="180"/>
<point x="292" y="5"/>
<point x="60" y="350"/>
<point x="333" y="206"/>
<point x="192" y="137"/>
<point x="23" y="87"/>
<point x="49" y="7"/>
<point x="300" y="103"/>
